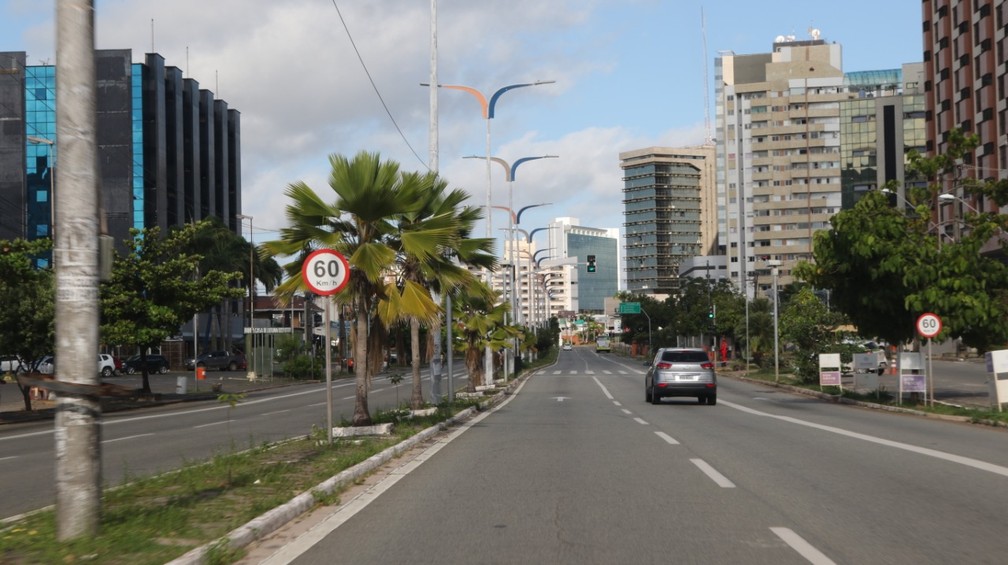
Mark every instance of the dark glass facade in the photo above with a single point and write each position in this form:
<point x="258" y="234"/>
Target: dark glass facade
<point x="168" y="151"/>
<point x="594" y="288"/>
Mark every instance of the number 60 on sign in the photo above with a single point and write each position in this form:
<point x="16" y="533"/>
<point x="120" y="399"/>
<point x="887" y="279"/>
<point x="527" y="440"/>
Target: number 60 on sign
<point x="929" y="325"/>
<point x="325" y="272"/>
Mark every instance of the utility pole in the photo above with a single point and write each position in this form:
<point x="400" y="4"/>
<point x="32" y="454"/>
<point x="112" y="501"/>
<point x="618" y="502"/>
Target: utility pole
<point x="75" y="253"/>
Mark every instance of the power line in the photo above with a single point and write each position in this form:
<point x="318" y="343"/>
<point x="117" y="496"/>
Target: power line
<point x="375" y="87"/>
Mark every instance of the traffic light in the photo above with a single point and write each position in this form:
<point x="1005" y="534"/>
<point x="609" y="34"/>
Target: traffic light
<point x="591" y="263"/>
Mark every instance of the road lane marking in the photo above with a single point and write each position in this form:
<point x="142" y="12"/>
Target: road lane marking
<point x="668" y="439"/>
<point x="125" y="438"/>
<point x="556" y="372"/>
<point x="641" y="422"/>
<point x="627" y="412"/>
<point x="275" y="412"/>
<point x="721" y="480"/>
<point x="804" y="548"/>
<point x="349" y="509"/>
<point x="617" y="403"/>
<point x="605" y="391"/>
<point x="606" y="372"/>
<point x="8" y="457"/>
<point x="589" y="372"/>
<point x="945" y="456"/>
<point x="208" y="425"/>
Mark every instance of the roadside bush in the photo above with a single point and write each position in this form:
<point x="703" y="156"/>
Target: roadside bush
<point x="304" y="367"/>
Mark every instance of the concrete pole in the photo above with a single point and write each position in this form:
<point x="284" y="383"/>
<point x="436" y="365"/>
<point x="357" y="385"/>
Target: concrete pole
<point x="77" y="430"/>
<point x="433" y="142"/>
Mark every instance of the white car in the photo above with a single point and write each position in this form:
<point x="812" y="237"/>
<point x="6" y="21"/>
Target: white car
<point x="10" y="364"/>
<point x="106" y="365"/>
<point x="567" y="347"/>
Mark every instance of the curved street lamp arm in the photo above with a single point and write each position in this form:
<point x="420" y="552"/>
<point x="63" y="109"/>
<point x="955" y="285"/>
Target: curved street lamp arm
<point x="489" y="114"/>
<point x="522" y="209"/>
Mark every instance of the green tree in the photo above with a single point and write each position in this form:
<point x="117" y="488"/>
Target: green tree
<point x="806" y="323"/>
<point x="27" y="319"/>
<point x="360" y="224"/>
<point x="153" y="290"/>
<point x="887" y="265"/>
<point x="223" y="250"/>
<point x="428" y="238"/>
<point x="479" y="318"/>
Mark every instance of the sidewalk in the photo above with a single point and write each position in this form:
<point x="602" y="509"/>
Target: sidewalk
<point x="165" y="389"/>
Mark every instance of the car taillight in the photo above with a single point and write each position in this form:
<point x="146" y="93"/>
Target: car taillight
<point x="663" y="366"/>
<point x="707" y="365"/>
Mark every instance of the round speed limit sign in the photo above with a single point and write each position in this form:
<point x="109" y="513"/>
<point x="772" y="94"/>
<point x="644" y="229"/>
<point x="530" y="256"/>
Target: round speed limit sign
<point x="929" y="325"/>
<point x="325" y="272"/>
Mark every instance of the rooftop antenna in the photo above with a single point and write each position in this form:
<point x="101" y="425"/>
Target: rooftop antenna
<point x="706" y="88"/>
<point x="152" y="35"/>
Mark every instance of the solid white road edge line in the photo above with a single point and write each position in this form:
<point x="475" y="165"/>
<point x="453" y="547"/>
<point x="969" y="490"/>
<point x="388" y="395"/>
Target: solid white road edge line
<point x="951" y="457"/>
<point x="305" y="541"/>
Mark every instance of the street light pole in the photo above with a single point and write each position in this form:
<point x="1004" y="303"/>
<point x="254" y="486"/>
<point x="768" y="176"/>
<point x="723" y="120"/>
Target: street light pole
<point x="249" y="358"/>
<point x="774" y="265"/>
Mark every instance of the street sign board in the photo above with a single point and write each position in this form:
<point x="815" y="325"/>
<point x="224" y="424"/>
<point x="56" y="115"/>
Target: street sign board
<point x="325" y="272"/>
<point x="629" y="308"/>
<point x="929" y="325"/>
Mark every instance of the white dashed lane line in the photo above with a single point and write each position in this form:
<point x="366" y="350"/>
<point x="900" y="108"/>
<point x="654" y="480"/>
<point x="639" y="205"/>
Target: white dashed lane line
<point x="804" y="548"/>
<point x="668" y="439"/>
<point x="721" y="480"/>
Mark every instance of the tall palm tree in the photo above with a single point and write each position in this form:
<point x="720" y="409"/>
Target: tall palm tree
<point x="480" y="321"/>
<point x="370" y="195"/>
<point x="429" y="237"/>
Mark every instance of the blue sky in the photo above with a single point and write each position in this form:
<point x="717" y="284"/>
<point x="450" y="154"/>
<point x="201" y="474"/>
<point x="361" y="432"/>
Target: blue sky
<point x="629" y="74"/>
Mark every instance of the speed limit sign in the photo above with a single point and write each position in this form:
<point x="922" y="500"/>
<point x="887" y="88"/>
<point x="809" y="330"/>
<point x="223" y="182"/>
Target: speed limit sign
<point x="929" y="325"/>
<point x="325" y="272"/>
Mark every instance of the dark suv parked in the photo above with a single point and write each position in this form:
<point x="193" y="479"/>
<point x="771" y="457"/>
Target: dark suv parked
<point x="155" y="364"/>
<point x="214" y="360"/>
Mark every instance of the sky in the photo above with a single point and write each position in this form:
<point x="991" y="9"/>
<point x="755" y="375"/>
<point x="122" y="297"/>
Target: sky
<point x="313" y="78"/>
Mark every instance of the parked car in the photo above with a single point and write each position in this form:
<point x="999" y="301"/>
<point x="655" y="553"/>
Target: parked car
<point x="11" y="364"/>
<point x="106" y="365"/>
<point x="155" y="364"/>
<point x="45" y="365"/>
<point x="214" y="360"/>
<point x="681" y="372"/>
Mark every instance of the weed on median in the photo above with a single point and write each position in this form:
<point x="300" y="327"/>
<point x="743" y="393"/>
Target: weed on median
<point x="154" y="520"/>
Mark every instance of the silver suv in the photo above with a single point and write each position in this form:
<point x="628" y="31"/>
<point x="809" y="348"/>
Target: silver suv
<point x="681" y="372"/>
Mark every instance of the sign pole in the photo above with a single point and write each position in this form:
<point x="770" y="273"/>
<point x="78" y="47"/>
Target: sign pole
<point x="930" y="377"/>
<point x="326" y="272"/>
<point x="328" y="372"/>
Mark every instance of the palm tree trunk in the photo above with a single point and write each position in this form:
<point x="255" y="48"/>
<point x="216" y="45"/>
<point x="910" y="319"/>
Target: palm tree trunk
<point x="474" y="365"/>
<point x="361" y="415"/>
<point x="416" y="401"/>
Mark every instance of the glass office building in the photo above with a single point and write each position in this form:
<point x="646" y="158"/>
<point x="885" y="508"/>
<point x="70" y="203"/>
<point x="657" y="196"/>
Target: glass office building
<point x="881" y="121"/>
<point x="168" y="151"/>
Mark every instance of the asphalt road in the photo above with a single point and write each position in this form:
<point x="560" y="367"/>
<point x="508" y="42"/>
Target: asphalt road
<point x="577" y="468"/>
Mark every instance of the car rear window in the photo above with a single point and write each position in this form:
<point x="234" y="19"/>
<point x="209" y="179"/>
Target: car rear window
<point x="684" y="357"/>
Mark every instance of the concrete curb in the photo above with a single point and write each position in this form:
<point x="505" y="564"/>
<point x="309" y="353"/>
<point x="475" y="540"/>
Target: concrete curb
<point x="272" y="520"/>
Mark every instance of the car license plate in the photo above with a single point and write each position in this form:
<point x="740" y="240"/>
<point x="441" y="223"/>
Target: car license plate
<point x="687" y="377"/>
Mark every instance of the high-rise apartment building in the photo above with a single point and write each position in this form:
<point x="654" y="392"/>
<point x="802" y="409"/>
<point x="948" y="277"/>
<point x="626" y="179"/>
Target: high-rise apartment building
<point x="965" y="48"/>
<point x="669" y="209"/>
<point x="168" y="151"/>
<point x="778" y="153"/>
